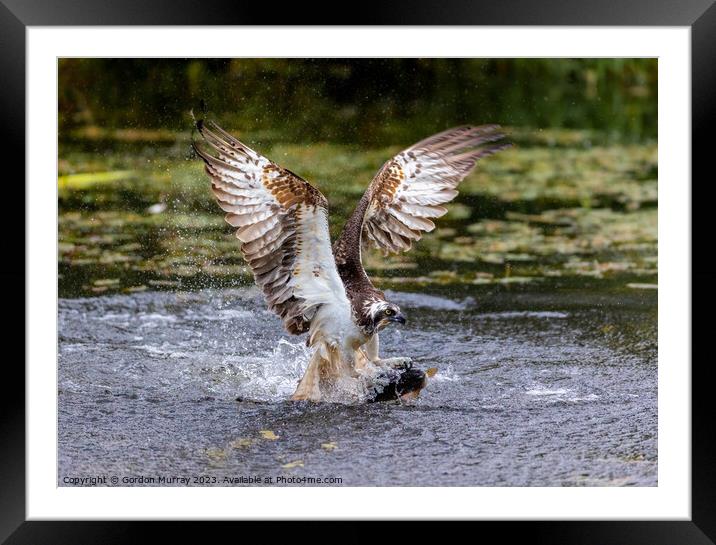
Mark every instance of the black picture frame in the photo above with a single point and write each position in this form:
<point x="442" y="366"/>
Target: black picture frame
<point x="16" y="15"/>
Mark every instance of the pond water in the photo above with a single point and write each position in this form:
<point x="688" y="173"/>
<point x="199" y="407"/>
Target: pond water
<point x="535" y="298"/>
<point x="549" y="384"/>
<point x="557" y="205"/>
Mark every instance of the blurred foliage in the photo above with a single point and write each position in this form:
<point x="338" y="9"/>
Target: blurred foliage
<point x="351" y="100"/>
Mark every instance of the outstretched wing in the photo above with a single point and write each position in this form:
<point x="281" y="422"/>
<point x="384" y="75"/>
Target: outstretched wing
<point x="409" y="190"/>
<point x="282" y="223"/>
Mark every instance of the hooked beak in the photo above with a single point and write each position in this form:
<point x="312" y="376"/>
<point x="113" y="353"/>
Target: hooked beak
<point x="398" y="318"/>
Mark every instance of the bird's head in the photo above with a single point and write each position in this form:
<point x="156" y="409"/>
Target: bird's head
<point x="383" y="313"/>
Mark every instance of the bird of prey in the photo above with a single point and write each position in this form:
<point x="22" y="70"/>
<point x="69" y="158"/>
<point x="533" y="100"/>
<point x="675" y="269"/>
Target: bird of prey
<point x="319" y="288"/>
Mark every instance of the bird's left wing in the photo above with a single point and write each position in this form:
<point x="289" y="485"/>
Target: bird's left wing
<point x="410" y="189"/>
<point x="282" y="222"/>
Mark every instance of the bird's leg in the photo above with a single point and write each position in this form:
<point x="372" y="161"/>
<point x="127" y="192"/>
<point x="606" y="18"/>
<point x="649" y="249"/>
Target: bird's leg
<point x="309" y="386"/>
<point x="371" y="349"/>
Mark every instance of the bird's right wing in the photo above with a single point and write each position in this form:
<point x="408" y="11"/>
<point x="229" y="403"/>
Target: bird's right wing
<point x="282" y="223"/>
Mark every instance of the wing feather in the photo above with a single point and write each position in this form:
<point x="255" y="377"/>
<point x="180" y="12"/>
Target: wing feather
<point x="410" y="189"/>
<point x="239" y="220"/>
<point x="253" y="231"/>
<point x="282" y="223"/>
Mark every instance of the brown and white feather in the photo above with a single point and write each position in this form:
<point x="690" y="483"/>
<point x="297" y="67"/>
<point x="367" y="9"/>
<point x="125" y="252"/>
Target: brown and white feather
<point x="409" y="191"/>
<point x="282" y="223"/>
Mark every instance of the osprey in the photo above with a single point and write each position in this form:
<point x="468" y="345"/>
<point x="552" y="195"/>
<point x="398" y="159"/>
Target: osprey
<point x="282" y="223"/>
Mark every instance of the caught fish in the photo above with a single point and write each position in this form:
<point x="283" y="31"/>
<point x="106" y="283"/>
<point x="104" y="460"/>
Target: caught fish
<point x="403" y="384"/>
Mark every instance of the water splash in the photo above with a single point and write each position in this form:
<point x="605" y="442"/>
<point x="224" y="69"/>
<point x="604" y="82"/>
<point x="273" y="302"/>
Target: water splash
<point x="266" y="377"/>
<point x="162" y="371"/>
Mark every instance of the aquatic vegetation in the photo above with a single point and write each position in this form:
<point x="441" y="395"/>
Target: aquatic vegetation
<point x="554" y="206"/>
<point x="241" y="443"/>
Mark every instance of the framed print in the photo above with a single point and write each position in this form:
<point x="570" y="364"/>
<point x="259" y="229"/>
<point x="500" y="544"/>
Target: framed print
<point x="223" y="218"/>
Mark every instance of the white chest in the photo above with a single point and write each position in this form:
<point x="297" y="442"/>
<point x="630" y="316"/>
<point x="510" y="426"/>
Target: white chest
<point x="337" y="327"/>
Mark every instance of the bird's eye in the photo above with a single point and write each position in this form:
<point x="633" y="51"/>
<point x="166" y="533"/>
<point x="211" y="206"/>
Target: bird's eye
<point x="389" y="312"/>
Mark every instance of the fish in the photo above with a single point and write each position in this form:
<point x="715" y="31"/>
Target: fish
<point x="403" y="384"/>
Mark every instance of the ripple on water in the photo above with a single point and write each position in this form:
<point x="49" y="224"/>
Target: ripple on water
<point x="510" y="315"/>
<point x="148" y="382"/>
<point x="423" y="300"/>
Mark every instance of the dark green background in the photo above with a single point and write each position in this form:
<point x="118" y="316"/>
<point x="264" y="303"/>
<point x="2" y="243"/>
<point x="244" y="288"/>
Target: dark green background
<point x="364" y="101"/>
